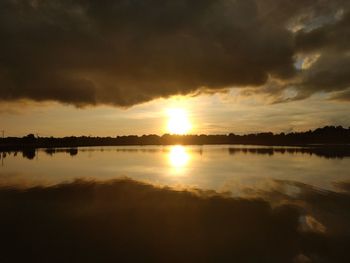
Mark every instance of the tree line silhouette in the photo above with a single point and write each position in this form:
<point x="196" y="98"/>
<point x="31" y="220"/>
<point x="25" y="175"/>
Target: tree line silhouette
<point x="326" y="135"/>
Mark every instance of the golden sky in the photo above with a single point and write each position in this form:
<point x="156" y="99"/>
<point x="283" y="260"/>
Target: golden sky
<point x="218" y="113"/>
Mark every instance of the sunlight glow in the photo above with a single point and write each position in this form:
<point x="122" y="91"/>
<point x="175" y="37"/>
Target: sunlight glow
<point x="178" y="122"/>
<point x="178" y="157"/>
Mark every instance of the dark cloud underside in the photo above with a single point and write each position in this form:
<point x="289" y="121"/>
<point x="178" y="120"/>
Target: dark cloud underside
<point x="126" y="52"/>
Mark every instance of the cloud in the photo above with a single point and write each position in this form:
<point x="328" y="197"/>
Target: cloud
<point x="331" y="36"/>
<point x="342" y="96"/>
<point x="127" y="52"/>
<point x="330" y="73"/>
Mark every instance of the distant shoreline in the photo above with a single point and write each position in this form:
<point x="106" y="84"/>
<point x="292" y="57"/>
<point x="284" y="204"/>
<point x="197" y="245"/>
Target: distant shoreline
<point x="329" y="136"/>
<point x="20" y="147"/>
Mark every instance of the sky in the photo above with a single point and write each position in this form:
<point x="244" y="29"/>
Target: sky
<point x="107" y="68"/>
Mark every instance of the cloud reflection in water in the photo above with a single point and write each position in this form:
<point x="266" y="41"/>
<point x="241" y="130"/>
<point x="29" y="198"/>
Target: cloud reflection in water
<point x="129" y="221"/>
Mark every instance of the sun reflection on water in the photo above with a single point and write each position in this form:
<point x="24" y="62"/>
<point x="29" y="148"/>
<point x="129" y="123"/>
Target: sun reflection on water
<point x="178" y="157"/>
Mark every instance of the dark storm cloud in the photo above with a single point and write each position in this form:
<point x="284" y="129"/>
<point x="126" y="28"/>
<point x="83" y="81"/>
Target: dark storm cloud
<point x="126" y="52"/>
<point x="330" y="73"/>
<point x="333" y="36"/>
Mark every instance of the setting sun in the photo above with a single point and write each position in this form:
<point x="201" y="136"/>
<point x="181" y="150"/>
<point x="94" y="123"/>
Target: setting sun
<point x="178" y="122"/>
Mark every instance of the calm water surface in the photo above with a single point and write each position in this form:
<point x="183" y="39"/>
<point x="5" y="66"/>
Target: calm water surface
<point x="221" y="168"/>
<point x="293" y="204"/>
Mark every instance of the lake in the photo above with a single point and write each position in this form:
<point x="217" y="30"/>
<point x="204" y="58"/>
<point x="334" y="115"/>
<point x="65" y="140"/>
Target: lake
<point x="225" y="203"/>
<point x="223" y="168"/>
